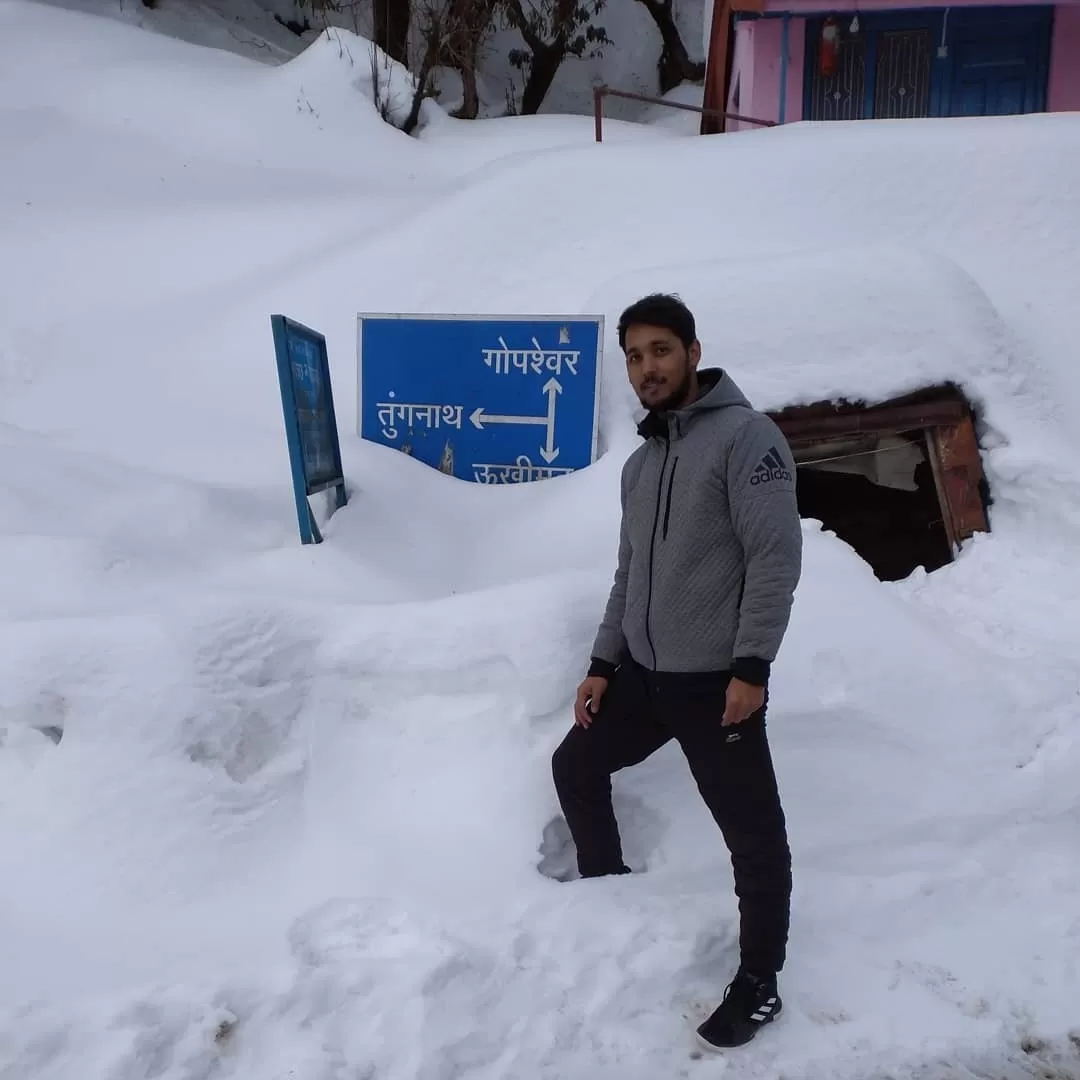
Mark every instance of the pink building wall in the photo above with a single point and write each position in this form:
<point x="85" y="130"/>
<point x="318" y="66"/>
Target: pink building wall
<point x="740" y="87"/>
<point x="756" y="65"/>
<point x="1063" y="94"/>
<point x="755" y="70"/>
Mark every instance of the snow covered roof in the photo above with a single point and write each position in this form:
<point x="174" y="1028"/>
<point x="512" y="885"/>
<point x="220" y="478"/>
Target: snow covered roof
<point x="860" y="323"/>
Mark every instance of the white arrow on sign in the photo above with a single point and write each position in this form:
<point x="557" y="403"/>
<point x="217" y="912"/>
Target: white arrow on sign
<point x="549" y="451"/>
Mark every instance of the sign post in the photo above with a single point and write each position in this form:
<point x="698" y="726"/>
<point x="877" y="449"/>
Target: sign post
<point x="490" y="399"/>
<point x="307" y="403"/>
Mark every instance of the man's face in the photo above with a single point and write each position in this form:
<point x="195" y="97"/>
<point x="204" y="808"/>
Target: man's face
<point x="660" y="367"/>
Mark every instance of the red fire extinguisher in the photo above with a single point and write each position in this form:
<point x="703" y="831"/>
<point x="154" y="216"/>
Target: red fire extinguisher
<point x="829" y="48"/>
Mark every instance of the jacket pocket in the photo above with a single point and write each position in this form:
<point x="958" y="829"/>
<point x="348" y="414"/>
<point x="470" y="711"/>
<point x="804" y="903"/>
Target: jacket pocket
<point x="667" y="507"/>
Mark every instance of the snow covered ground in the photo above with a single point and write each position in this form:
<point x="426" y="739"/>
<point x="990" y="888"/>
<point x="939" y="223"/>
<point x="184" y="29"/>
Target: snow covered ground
<point x="274" y="812"/>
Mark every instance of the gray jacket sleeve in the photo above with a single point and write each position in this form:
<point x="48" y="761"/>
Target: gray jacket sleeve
<point x="764" y="511"/>
<point x="609" y="649"/>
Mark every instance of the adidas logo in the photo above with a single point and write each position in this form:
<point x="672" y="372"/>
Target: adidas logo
<point x="764" y="1011"/>
<point x="770" y="467"/>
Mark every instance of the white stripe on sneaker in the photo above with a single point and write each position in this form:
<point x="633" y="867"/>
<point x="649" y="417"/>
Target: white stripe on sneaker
<point x="764" y="1010"/>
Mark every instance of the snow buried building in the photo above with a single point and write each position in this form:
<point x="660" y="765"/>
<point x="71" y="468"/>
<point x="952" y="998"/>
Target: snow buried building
<point x="879" y="366"/>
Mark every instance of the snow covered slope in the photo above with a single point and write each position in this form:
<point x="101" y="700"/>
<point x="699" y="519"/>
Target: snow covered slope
<point x="270" y="812"/>
<point x="257" y="29"/>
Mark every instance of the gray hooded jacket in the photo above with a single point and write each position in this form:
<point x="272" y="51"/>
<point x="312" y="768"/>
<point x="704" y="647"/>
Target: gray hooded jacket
<point x="710" y="549"/>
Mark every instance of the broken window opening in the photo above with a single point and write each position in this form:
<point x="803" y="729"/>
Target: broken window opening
<point x="901" y="482"/>
<point x="880" y="500"/>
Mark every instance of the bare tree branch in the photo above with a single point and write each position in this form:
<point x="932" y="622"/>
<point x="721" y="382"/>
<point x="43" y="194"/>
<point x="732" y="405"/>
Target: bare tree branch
<point x="675" y="65"/>
<point x="552" y="30"/>
<point x="446" y="33"/>
<point x="516" y="15"/>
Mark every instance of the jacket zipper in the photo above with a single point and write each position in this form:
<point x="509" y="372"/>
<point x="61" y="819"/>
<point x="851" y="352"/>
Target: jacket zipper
<point x="652" y="551"/>
<point x="670" y="486"/>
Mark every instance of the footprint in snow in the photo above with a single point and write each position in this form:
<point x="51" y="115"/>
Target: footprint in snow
<point x="642" y="830"/>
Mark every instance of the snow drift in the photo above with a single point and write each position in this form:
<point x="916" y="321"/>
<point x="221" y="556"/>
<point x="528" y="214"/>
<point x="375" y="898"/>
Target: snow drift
<point x="270" y="811"/>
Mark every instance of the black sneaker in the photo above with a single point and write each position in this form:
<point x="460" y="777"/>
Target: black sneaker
<point x="749" y="1003"/>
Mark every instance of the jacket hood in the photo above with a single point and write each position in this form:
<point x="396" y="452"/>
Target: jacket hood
<point x="718" y="391"/>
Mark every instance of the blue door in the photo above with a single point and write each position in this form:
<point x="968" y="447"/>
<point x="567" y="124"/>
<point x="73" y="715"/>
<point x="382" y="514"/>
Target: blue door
<point x="985" y="61"/>
<point x="999" y="66"/>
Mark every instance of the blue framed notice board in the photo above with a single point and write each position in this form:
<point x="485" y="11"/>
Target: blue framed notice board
<point x="488" y="399"/>
<point x="307" y="403"/>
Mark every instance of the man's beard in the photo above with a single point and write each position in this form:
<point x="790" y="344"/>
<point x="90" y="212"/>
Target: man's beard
<point x="676" y="397"/>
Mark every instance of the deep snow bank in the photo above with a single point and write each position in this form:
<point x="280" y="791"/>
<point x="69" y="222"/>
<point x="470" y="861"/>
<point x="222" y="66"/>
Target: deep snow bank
<point x="957" y="188"/>
<point x="114" y="80"/>
<point x="871" y="323"/>
<point x="294" y="817"/>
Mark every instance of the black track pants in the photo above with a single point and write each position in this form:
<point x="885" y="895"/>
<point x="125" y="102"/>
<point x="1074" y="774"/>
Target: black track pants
<point x="732" y="766"/>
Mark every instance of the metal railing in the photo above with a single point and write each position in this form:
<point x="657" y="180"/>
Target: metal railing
<point x="601" y="92"/>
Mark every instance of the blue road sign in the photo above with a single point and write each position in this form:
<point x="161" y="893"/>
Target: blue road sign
<point x="491" y="399"/>
<point x="307" y="403"/>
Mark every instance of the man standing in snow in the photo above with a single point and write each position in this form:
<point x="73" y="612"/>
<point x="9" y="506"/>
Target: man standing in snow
<point x="710" y="553"/>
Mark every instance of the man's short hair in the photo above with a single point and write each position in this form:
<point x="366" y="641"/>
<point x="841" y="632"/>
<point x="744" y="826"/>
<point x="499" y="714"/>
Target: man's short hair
<point x="659" y="309"/>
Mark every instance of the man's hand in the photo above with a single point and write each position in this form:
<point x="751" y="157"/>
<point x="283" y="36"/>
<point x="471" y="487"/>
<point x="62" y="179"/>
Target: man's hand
<point x="587" y="703"/>
<point x="743" y="700"/>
